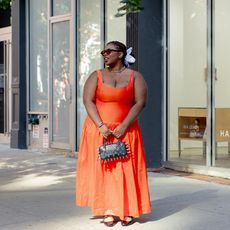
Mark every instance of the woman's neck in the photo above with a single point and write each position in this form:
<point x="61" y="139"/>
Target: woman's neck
<point x="116" y="69"/>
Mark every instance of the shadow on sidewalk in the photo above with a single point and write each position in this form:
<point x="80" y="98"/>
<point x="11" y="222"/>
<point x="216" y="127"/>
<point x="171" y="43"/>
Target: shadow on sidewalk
<point x="170" y="205"/>
<point x="23" y="170"/>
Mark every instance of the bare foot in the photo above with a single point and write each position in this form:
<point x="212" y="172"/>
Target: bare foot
<point x="128" y="220"/>
<point x="109" y="221"/>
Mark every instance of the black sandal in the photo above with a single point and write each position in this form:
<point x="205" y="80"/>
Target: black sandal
<point x="109" y="223"/>
<point x="129" y="222"/>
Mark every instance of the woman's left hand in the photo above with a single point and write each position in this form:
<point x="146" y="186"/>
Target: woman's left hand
<point x="119" y="130"/>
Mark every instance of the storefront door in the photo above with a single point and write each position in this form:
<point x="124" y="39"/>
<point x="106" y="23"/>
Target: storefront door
<point x="61" y="82"/>
<point x="5" y="84"/>
<point x="187" y="81"/>
<point x="221" y="57"/>
<point x="198" y="80"/>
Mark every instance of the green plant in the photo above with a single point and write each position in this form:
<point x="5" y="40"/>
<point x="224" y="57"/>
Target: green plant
<point x="130" y="6"/>
<point x="5" y="4"/>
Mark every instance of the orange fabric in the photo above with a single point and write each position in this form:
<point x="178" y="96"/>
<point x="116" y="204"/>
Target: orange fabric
<point x="120" y="186"/>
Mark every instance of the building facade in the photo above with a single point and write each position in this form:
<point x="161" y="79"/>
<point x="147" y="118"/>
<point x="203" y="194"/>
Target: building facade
<point x="5" y="68"/>
<point x="181" y="50"/>
<point x="55" y="46"/>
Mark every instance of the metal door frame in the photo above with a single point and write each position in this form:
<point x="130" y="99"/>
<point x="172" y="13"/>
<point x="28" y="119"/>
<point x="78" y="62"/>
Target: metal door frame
<point x="210" y="147"/>
<point x="6" y="37"/>
<point x="53" y="20"/>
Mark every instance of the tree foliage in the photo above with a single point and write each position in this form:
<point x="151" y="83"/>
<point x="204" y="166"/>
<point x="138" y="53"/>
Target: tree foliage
<point x="5" y="4"/>
<point x="130" y="6"/>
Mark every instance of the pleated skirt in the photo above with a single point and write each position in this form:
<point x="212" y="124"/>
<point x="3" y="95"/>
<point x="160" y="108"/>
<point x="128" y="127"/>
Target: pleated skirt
<point x="120" y="186"/>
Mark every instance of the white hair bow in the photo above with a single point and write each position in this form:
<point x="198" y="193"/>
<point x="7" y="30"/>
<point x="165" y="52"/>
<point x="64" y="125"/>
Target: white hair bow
<point x="129" y="58"/>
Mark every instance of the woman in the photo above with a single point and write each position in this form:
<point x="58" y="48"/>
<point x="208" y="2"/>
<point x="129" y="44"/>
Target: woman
<point x="113" y="98"/>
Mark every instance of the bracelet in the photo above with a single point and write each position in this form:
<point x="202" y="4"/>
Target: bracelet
<point x="100" y="124"/>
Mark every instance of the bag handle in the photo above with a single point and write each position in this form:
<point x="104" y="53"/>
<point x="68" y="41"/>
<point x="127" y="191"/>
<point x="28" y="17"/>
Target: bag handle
<point x="105" y="140"/>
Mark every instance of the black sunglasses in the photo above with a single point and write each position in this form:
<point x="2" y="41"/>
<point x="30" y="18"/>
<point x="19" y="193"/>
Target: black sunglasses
<point x="108" y="51"/>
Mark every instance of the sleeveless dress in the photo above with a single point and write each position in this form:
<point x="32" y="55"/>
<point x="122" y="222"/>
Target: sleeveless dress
<point x="120" y="186"/>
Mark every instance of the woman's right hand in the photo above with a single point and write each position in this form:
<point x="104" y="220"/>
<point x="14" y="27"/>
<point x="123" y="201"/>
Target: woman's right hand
<point x="105" y="131"/>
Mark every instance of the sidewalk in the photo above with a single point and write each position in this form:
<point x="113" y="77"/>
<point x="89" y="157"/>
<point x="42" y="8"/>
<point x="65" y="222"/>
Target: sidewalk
<point x="37" y="191"/>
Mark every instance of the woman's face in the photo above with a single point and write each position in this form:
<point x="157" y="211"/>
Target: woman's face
<point x="111" y="54"/>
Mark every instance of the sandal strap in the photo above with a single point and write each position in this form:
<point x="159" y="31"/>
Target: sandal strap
<point x="130" y="217"/>
<point x="111" y="218"/>
<point x="127" y="220"/>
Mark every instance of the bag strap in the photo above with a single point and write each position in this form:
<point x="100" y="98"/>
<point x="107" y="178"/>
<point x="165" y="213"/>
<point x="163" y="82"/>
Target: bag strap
<point x="104" y="140"/>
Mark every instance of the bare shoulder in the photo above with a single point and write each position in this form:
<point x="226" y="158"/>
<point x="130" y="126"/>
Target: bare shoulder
<point x="140" y="82"/>
<point x="91" y="81"/>
<point x="137" y="75"/>
<point x="103" y="71"/>
<point x="93" y="75"/>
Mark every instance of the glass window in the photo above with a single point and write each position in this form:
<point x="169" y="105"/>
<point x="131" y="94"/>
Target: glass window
<point x="113" y="31"/>
<point x="91" y="42"/>
<point x="222" y="82"/>
<point x="61" y="81"/>
<point x="60" y="7"/>
<point x="89" y="49"/>
<point x="187" y="81"/>
<point x="2" y="87"/>
<point x="38" y="55"/>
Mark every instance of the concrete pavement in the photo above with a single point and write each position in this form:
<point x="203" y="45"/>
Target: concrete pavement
<point x="37" y="191"/>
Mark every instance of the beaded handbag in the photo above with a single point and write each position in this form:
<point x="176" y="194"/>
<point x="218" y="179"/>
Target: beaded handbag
<point x="111" y="151"/>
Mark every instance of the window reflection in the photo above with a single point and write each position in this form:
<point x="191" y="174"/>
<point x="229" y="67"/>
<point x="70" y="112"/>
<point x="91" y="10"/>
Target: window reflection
<point x="115" y="32"/>
<point x="38" y="56"/>
<point x="89" y="51"/>
<point x="222" y="81"/>
<point x="61" y="82"/>
<point x="61" y="7"/>
<point x="91" y="42"/>
<point x="187" y="85"/>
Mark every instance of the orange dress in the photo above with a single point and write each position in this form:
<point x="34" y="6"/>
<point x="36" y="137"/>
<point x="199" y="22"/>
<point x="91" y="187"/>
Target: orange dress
<point x="120" y="186"/>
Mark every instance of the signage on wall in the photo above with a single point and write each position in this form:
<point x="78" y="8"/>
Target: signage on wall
<point x="224" y="133"/>
<point x="36" y="131"/>
<point x="222" y="124"/>
<point x="192" y="123"/>
<point x="45" y="138"/>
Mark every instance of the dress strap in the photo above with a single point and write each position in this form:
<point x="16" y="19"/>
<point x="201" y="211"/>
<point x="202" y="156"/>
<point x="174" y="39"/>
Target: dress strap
<point x="131" y="80"/>
<point x="99" y="76"/>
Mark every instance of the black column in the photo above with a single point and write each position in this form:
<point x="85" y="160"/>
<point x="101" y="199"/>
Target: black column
<point x="18" y="132"/>
<point x="132" y="36"/>
<point x="5" y="18"/>
<point x="150" y="55"/>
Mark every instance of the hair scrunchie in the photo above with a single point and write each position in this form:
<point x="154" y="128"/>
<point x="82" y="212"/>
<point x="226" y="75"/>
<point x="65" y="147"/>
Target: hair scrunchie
<point x="129" y="59"/>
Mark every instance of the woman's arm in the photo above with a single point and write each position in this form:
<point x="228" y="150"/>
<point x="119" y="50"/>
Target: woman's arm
<point x="140" y="99"/>
<point x="89" y="102"/>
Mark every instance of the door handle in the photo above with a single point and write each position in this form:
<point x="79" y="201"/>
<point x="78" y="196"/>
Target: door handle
<point x="206" y="73"/>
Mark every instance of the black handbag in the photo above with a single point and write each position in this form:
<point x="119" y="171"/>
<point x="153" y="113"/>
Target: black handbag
<point x="111" y="151"/>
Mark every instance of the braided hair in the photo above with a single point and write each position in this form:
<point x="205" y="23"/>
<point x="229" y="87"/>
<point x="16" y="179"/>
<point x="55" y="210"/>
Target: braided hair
<point x="121" y="47"/>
